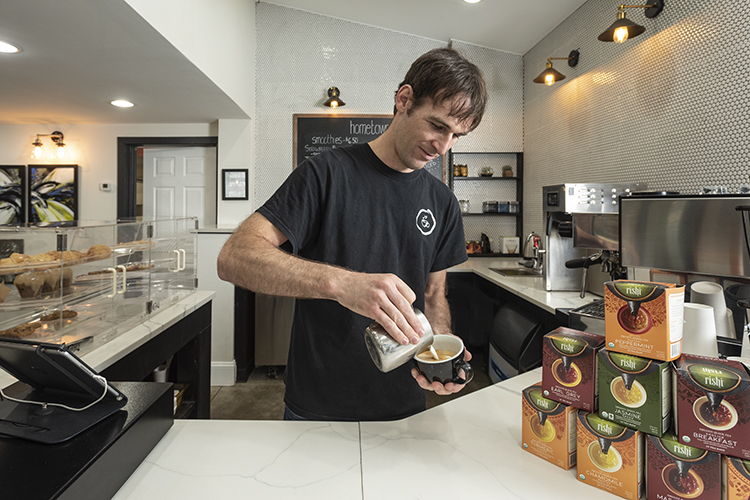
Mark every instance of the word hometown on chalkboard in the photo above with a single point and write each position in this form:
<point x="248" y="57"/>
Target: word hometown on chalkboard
<point x="314" y="134"/>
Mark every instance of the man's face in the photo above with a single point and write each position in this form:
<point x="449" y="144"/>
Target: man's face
<point x="426" y="132"/>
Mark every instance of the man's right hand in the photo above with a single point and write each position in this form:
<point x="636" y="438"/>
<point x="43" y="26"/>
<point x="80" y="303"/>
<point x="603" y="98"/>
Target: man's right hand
<point x="384" y="298"/>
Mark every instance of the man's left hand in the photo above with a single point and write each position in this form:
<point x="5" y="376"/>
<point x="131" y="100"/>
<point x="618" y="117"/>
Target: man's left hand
<point x="443" y="390"/>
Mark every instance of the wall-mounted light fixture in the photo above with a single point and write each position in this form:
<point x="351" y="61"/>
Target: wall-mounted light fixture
<point x="333" y="98"/>
<point x="38" y="148"/>
<point x="623" y="28"/>
<point x="551" y="75"/>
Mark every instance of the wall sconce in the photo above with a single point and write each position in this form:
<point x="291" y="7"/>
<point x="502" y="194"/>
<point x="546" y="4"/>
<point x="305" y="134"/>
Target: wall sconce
<point x="623" y="28"/>
<point x="551" y="75"/>
<point x="333" y="98"/>
<point x="57" y="138"/>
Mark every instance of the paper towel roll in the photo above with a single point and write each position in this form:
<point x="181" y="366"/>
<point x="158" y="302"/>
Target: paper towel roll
<point x="699" y="331"/>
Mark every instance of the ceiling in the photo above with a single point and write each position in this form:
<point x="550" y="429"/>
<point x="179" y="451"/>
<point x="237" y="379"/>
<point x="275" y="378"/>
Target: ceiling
<point x="77" y="59"/>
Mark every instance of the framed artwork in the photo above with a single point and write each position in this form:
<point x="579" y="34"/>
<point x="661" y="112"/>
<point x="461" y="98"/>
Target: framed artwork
<point x="53" y="193"/>
<point x="12" y="194"/>
<point x="234" y="184"/>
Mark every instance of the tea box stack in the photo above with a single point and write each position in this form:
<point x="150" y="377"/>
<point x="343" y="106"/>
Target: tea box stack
<point x="549" y="428"/>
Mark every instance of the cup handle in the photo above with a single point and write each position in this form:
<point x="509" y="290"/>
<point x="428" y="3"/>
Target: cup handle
<point x="468" y="371"/>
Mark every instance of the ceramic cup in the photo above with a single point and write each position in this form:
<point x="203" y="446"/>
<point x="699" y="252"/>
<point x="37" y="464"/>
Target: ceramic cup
<point x="712" y="294"/>
<point x="699" y="331"/>
<point x="448" y="369"/>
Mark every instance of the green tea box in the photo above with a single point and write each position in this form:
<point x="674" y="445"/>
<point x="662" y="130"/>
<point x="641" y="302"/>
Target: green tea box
<point x="676" y="470"/>
<point x="712" y="404"/>
<point x="635" y="391"/>
<point x="569" y="367"/>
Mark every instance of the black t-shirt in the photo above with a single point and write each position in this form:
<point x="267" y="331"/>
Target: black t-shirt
<point x="347" y="208"/>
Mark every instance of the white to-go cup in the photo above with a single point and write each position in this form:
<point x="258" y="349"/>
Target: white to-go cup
<point x="699" y="331"/>
<point x="712" y="294"/>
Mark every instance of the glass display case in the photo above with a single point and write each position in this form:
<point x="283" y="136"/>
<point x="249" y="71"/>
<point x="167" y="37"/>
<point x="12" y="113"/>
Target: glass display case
<point x="85" y="283"/>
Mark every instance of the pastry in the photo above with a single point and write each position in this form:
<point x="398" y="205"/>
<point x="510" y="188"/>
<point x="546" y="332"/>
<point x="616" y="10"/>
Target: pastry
<point x="99" y="251"/>
<point x="67" y="277"/>
<point x="51" y="280"/>
<point x="29" y="285"/>
<point x="66" y="314"/>
<point x="41" y="257"/>
<point x="4" y="291"/>
<point x="22" y="331"/>
<point x="55" y="254"/>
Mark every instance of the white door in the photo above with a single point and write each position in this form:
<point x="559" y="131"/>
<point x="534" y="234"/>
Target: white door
<point x="180" y="182"/>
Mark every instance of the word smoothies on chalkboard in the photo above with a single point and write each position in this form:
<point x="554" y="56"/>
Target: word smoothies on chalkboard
<point x="644" y="319"/>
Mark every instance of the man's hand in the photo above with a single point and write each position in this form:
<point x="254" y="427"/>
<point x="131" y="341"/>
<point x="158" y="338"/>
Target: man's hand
<point x="443" y="390"/>
<point x="386" y="299"/>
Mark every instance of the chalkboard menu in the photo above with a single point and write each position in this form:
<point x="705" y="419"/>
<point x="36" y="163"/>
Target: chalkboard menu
<point x="314" y="134"/>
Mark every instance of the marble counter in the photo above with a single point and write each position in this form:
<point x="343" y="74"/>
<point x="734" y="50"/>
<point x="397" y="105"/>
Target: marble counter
<point x="469" y="447"/>
<point x="529" y="288"/>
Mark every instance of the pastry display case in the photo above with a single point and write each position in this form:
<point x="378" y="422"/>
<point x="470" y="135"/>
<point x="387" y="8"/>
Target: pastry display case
<point x="85" y="283"/>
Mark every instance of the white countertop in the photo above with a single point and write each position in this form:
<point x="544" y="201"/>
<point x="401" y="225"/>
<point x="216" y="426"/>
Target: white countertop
<point x="530" y="288"/>
<point x="469" y="447"/>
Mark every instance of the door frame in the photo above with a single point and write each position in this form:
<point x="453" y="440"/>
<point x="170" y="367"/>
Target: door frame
<point x="126" y="165"/>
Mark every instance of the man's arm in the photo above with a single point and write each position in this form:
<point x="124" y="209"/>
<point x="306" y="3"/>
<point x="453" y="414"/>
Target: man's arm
<point x="252" y="259"/>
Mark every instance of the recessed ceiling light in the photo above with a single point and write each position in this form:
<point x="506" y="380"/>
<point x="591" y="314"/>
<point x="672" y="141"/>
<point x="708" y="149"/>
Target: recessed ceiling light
<point x="472" y="1"/>
<point x="122" y="104"/>
<point x="9" y="48"/>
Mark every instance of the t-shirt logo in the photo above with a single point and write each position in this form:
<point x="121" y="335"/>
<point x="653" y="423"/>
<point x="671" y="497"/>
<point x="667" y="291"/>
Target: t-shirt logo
<point x="426" y="221"/>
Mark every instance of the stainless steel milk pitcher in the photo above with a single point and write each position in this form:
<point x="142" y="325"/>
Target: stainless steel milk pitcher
<point x="388" y="354"/>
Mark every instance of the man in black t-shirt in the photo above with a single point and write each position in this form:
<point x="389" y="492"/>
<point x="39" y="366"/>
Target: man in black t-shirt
<point x="371" y="233"/>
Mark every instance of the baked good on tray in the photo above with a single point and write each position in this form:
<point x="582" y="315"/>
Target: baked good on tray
<point x="99" y="251"/>
<point x="29" y="285"/>
<point x="4" y="291"/>
<point x="21" y="331"/>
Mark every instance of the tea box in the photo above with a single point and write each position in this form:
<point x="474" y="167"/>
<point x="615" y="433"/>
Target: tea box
<point x="548" y="429"/>
<point x="610" y="456"/>
<point x="569" y="367"/>
<point x="644" y="318"/>
<point x="736" y="476"/>
<point x="676" y="470"/>
<point x="635" y="391"/>
<point x="711" y="404"/>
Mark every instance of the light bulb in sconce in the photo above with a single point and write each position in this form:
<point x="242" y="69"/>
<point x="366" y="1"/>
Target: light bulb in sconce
<point x="334" y="104"/>
<point x="37" y="151"/>
<point x="621" y="34"/>
<point x="549" y="80"/>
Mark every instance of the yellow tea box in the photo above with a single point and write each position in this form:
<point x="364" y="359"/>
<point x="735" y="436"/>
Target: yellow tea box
<point x="635" y="391"/>
<point x="549" y="428"/>
<point x="610" y="456"/>
<point x="569" y="367"/>
<point x="676" y="470"/>
<point x="736" y="477"/>
<point x="644" y="319"/>
<point x="712" y="404"/>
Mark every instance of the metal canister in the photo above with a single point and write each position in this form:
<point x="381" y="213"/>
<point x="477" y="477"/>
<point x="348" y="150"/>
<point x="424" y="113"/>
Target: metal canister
<point x="388" y="354"/>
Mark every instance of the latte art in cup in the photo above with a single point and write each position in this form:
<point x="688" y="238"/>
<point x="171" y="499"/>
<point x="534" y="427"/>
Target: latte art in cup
<point x="441" y="353"/>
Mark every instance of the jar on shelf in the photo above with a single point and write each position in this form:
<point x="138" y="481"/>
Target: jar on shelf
<point x="464" y="204"/>
<point x="486" y="172"/>
<point x="507" y="171"/>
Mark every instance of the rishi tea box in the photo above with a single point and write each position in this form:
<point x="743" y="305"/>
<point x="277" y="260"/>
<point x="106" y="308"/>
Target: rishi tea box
<point x="644" y="318"/>
<point x="712" y="404"/>
<point x="635" y="391"/>
<point x="610" y="456"/>
<point x="676" y="470"/>
<point x="548" y="429"/>
<point x="569" y="367"/>
<point x="736" y="477"/>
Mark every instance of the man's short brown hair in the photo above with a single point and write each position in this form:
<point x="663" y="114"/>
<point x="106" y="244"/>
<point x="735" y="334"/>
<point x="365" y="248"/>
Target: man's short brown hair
<point x="443" y="75"/>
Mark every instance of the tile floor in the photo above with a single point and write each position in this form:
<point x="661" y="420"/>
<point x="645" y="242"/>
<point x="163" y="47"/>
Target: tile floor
<point x="262" y="398"/>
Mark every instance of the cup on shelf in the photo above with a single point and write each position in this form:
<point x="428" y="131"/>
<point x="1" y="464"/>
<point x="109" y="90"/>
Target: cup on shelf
<point x="712" y="294"/>
<point x="699" y="331"/>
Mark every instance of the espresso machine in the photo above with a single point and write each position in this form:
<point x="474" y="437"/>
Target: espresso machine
<point x="582" y="229"/>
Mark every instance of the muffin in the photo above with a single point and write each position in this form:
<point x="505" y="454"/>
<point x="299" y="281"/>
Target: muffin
<point x="99" y="251"/>
<point x="51" y="280"/>
<point x="29" y="285"/>
<point x="67" y="277"/>
<point x="4" y="291"/>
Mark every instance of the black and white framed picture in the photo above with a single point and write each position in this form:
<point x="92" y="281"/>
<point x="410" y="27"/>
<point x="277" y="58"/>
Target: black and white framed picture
<point x="53" y="193"/>
<point x="12" y="194"/>
<point x="234" y="184"/>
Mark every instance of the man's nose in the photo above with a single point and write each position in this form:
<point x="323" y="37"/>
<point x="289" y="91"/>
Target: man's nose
<point x="443" y="144"/>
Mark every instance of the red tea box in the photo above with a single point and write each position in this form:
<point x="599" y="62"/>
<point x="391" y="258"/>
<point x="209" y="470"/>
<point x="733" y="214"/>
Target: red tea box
<point x="569" y="367"/>
<point x="736" y="476"/>
<point x="610" y="456"/>
<point x="644" y="318"/>
<point x="712" y="404"/>
<point x="676" y="470"/>
<point x="548" y="429"/>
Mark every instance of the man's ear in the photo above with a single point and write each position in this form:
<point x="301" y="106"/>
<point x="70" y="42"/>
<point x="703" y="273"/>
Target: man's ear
<point x="404" y="99"/>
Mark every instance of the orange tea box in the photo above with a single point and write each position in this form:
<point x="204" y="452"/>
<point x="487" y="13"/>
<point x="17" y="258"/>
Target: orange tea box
<point x="676" y="470"/>
<point x="736" y="476"/>
<point x="569" y="367"/>
<point x="610" y="456"/>
<point x="712" y="404"/>
<point x="549" y="428"/>
<point x="644" y="319"/>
